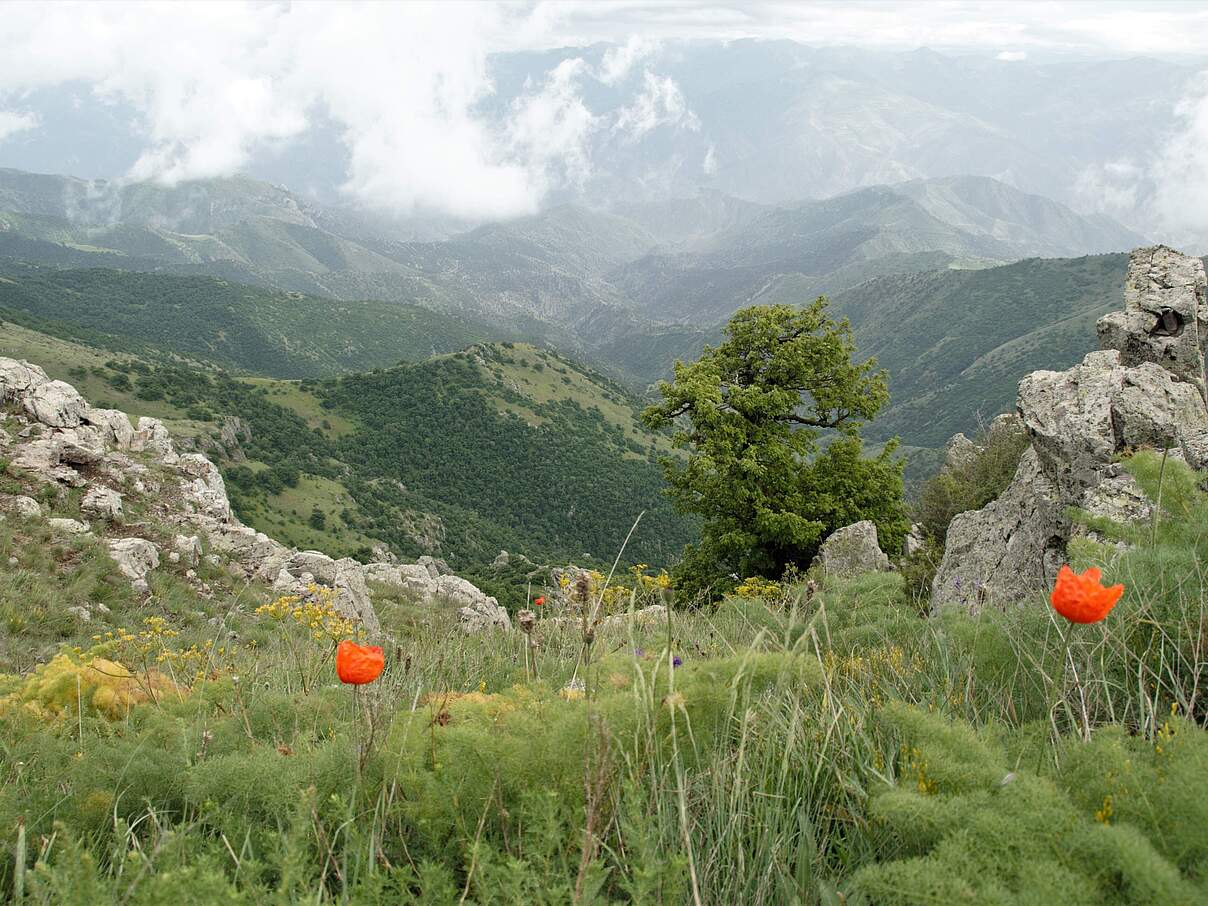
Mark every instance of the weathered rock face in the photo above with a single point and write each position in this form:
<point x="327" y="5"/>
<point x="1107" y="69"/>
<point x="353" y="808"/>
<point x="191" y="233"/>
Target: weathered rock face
<point x="1165" y="318"/>
<point x="68" y="526"/>
<point x="1143" y="389"/>
<point x="55" y="403"/>
<point x="476" y="610"/>
<point x="205" y="491"/>
<point x="852" y="551"/>
<point x="24" y="506"/>
<point x="346" y="577"/>
<point x="18" y="379"/>
<point x="1008" y="546"/>
<point x="186" y="549"/>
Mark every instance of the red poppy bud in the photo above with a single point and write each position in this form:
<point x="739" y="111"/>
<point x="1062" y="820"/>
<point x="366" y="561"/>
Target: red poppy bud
<point x="539" y="601"/>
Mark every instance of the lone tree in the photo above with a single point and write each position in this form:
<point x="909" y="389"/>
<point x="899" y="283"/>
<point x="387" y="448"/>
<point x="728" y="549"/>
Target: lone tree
<point x="751" y="413"/>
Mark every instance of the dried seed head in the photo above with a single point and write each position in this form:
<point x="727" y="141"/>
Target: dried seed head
<point x="527" y="620"/>
<point x="582" y="588"/>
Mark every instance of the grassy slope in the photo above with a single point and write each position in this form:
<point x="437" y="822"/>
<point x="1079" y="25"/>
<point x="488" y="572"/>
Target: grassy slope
<point x="508" y="441"/>
<point x="816" y="747"/>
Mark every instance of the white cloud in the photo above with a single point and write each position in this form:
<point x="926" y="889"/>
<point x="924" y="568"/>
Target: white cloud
<point x="12" y="122"/>
<point x="709" y="166"/>
<point x="619" y="61"/>
<point x="1181" y="169"/>
<point x="1012" y="56"/>
<point x="550" y="128"/>
<point x="660" y="103"/>
<point x="216" y="83"/>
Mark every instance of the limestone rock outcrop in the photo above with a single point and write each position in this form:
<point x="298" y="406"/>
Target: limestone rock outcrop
<point x="1143" y="388"/>
<point x="346" y="577"/>
<point x="1165" y="318"/>
<point x="52" y="433"/>
<point x="135" y="557"/>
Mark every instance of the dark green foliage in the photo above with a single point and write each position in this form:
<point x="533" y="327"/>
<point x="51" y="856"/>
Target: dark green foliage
<point x="751" y="413"/>
<point x="562" y="488"/>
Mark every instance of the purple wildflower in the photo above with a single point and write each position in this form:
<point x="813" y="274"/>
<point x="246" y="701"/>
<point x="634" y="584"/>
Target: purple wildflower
<point x="677" y="661"/>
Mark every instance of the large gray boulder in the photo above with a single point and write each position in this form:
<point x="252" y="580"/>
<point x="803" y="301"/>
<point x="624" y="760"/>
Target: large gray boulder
<point x="103" y="503"/>
<point x="114" y="425"/>
<point x="1165" y="318"/>
<point x="346" y="577"/>
<point x="54" y="403"/>
<point x="23" y="506"/>
<point x="852" y="551"/>
<point x="17" y="379"/>
<point x="135" y="557"/>
<point x="476" y="611"/>
<point x="81" y="446"/>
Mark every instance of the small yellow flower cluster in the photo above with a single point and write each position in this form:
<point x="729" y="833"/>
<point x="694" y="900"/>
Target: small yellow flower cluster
<point x="154" y="641"/>
<point x="148" y="640"/>
<point x="643" y="582"/>
<point x="317" y="613"/>
<point x="758" y="587"/>
<point x="1104" y="815"/>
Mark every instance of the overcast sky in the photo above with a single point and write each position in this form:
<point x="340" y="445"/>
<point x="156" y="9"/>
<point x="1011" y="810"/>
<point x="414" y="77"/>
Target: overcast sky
<point x="214" y="83"/>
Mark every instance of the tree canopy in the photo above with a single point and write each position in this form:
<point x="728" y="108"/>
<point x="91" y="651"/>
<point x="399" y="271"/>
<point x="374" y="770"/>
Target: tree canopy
<point x="770" y="419"/>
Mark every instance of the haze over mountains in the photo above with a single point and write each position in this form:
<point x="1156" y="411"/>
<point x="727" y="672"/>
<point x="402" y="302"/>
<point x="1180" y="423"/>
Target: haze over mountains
<point x="591" y="281"/>
<point x="773" y="122"/>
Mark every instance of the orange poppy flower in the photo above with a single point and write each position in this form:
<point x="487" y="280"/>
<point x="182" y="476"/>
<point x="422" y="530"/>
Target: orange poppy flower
<point x="358" y="664"/>
<point x="537" y="602"/>
<point x="1082" y="598"/>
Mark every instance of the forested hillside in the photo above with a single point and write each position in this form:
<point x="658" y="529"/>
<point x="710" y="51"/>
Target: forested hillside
<point x="497" y="447"/>
<point x="282" y="334"/>
<point x="957" y="342"/>
<point x="510" y="444"/>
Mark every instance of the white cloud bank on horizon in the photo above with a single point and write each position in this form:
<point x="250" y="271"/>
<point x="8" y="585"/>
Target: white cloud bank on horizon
<point x="214" y="83"/>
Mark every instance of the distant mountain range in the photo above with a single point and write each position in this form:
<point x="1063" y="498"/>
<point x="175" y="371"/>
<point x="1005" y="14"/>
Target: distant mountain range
<point x="590" y="281"/>
<point x="250" y="277"/>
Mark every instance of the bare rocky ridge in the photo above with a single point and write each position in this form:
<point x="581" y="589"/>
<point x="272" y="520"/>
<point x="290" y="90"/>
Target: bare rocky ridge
<point x="58" y="438"/>
<point x="1145" y="387"/>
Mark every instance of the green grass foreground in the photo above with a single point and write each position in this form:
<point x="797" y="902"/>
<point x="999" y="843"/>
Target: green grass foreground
<point x="839" y="748"/>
